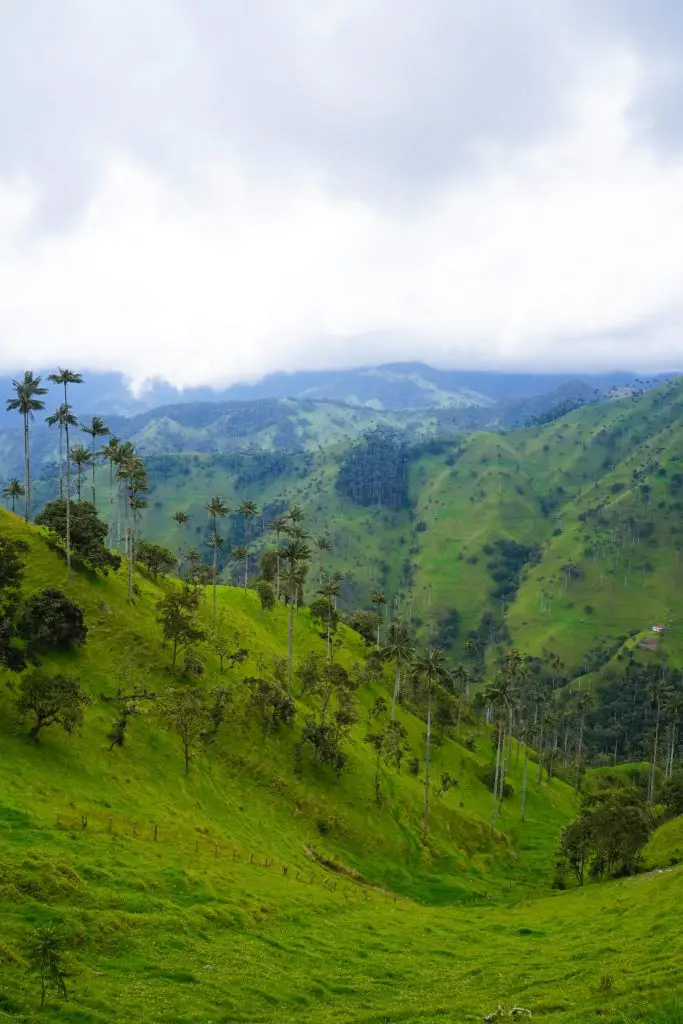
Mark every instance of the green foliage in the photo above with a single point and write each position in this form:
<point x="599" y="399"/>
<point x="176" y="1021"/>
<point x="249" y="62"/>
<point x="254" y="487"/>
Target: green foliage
<point x="374" y="470"/>
<point x="158" y="560"/>
<point x="177" y="616"/>
<point x="11" y="577"/>
<point x="609" y="835"/>
<point x="266" y="595"/>
<point x="50" y="619"/>
<point x="50" y="700"/>
<point x="88" y="533"/>
<point x="46" y="957"/>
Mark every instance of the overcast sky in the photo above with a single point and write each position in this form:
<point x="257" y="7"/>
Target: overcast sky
<point x="209" y="190"/>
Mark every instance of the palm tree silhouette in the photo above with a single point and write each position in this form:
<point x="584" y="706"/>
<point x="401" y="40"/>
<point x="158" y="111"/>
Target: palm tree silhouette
<point x="379" y="600"/>
<point x="80" y="457"/>
<point x="216" y="509"/>
<point x="59" y="418"/>
<point x="429" y="669"/>
<point x="26" y="403"/>
<point x="12" y="491"/>
<point x="295" y="554"/>
<point x="110" y="452"/>
<point x="399" y="648"/>
<point x="279" y="525"/>
<point x="96" y="428"/>
<point x="67" y="377"/>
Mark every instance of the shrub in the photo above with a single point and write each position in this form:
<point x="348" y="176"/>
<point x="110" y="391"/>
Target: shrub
<point x="50" y="619"/>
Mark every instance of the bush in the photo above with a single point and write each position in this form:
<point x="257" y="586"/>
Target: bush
<point x="50" y="619"/>
<point x="51" y="700"/>
<point x="88" y="532"/>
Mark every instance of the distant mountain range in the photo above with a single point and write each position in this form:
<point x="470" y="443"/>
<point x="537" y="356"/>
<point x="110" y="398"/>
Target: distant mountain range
<point x="398" y="387"/>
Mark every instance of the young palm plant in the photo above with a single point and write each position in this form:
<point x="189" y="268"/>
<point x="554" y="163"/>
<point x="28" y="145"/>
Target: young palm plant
<point x="26" y="402"/>
<point x="12" y="491"/>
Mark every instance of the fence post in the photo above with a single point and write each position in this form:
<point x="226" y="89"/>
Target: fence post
<point x="156" y="831"/>
<point x="110" y="826"/>
<point x="84" y="821"/>
<point x="135" y="828"/>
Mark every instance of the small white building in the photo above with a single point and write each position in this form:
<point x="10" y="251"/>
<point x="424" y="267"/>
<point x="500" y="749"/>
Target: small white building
<point x="658" y="629"/>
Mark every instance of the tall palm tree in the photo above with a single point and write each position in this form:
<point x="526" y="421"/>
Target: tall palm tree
<point x="295" y="555"/>
<point x="459" y="684"/>
<point x="80" y="456"/>
<point x="217" y="509"/>
<point x="660" y="692"/>
<point x="278" y="526"/>
<point x="428" y="671"/>
<point x="180" y="518"/>
<point x="323" y="544"/>
<point x="674" y="709"/>
<point x="110" y="452"/>
<point x="498" y="696"/>
<point x="12" y="491"/>
<point x="329" y="591"/>
<point x="379" y="600"/>
<point x="583" y="705"/>
<point x="59" y="418"/>
<point x="132" y="473"/>
<point x="248" y="509"/>
<point x="96" y="428"/>
<point x="399" y="648"/>
<point x="26" y="403"/>
<point x="66" y="377"/>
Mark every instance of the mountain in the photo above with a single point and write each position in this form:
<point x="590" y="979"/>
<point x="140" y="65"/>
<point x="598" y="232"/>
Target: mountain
<point x="395" y="386"/>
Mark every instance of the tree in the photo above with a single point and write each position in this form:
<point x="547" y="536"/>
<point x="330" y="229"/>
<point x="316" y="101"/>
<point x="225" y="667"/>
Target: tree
<point x="11" y="577"/>
<point x="45" y="956"/>
<point x="323" y="544"/>
<point x="248" y="509"/>
<point x="379" y="600"/>
<point x="295" y="554"/>
<point x="88" y="533"/>
<point x="158" y="560"/>
<point x="62" y="417"/>
<point x="185" y="712"/>
<point x="12" y="491"/>
<point x="96" y="428"/>
<point x="110" y="452"/>
<point x="50" y="619"/>
<point x="278" y="526"/>
<point x="80" y="456"/>
<point x="576" y="846"/>
<point x="399" y="648"/>
<point x="365" y="624"/>
<point x="611" y="830"/>
<point x="66" y="377"/>
<point x="225" y="643"/>
<point x="26" y="403"/>
<point x="500" y="698"/>
<point x="266" y="594"/>
<point x="660" y="693"/>
<point x="329" y="591"/>
<point x="50" y="700"/>
<point x="429" y="671"/>
<point x="583" y="705"/>
<point x="177" y="618"/>
<point x="217" y="509"/>
<point x="271" y="702"/>
<point x="133" y="476"/>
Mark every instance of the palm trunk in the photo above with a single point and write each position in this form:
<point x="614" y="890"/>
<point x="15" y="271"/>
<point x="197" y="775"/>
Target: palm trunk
<point x="61" y="461"/>
<point x="578" y="758"/>
<point x="459" y="715"/>
<point x="290" y="636"/>
<point x="93" y="472"/>
<point x="129" y="545"/>
<point x="215" y="571"/>
<point x="501" y="778"/>
<point x="539" y="780"/>
<point x="495" y="780"/>
<point x="397" y="690"/>
<point x="27" y="470"/>
<point x="427" y="756"/>
<point x="651" y="788"/>
<point x="68" y="491"/>
<point x="526" y="762"/>
<point x="111" y="503"/>
<point x="246" y="554"/>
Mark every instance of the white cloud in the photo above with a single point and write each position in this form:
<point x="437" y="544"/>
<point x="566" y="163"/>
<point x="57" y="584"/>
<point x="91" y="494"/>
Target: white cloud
<point x="224" y="275"/>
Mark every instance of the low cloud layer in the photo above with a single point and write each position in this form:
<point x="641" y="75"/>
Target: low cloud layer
<point x="211" y="191"/>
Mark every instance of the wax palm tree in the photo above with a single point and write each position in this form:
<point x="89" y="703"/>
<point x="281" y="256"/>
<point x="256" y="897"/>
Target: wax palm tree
<point x="110" y="452"/>
<point x="26" y="402"/>
<point x="180" y="518"/>
<point x="248" y="509"/>
<point x="379" y="600"/>
<point x="499" y="697"/>
<point x="278" y="526"/>
<point x="81" y="457"/>
<point x="96" y="428"/>
<point x="428" y="671"/>
<point x="132" y="476"/>
<point x="296" y="515"/>
<point x="399" y="648"/>
<point x="674" y="709"/>
<point x="12" y="491"/>
<point x="323" y="545"/>
<point x="458" y="680"/>
<point x="660" y="693"/>
<point x="66" y="377"/>
<point x="217" y="509"/>
<point x="329" y="591"/>
<point x="295" y="555"/>
<point x="61" y="416"/>
<point x="583" y="705"/>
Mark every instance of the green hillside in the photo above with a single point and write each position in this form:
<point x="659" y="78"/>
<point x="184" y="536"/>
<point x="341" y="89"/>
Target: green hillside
<point x="251" y="890"/>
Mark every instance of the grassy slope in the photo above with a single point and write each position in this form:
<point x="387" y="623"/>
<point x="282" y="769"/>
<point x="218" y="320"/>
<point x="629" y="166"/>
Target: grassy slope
<point x="188" y="929"/>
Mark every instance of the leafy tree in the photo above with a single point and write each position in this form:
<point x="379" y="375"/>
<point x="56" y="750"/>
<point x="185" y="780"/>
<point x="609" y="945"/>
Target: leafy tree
<point x="217" y="509"/>
<point x="248" y="510"/>
<point x="266" y="595"/>
<point x="26" y="403"/>
<point x="96" y="428"/>
<point x="324" y="609"/>
<point x="576" y="845"/>
<point x="87" y="532"/>
<point x="12" y="491"/>
<point x="671" y="794"/>
<point x="221" y="699"/>
<point x="308" y="672"/>
<point x="185" y="712"/>
<point x="177" y="618"/>
<point x="271" y="703"/>
<point x="225" y="643"/>
<point x="66" y="377"/>
<point x="119" y="727"/>
<point x="50" y="700"/>
<point x="46" y="958"/>
<point x="609" y="834"/>
<point x="159" y="561"/>
<point x="366" y="624"/>
<point x="50" y="619"/>
<point x="11" y="577"/>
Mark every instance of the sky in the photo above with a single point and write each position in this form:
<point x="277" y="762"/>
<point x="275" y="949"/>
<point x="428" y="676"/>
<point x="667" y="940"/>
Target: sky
<point x="206" y="191"/>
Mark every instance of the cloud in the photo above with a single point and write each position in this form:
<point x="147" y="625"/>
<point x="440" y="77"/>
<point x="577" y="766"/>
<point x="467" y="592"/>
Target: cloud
<point x="211" y="191"/>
